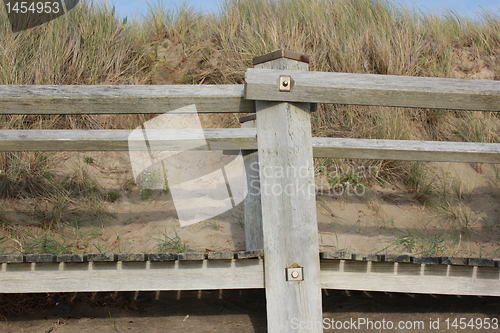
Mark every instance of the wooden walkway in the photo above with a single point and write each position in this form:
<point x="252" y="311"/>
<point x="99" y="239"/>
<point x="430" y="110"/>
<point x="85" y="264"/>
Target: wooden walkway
<point x="243" y="270"/>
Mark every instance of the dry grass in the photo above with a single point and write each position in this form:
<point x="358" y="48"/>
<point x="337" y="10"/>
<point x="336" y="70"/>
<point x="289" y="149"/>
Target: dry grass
<point x="92" y="45"/>
<point x="379" y="37"/>
<point x="89" y="46"/>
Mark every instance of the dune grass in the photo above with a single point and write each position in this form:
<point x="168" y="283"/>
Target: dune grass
<point x="93" y="45"/>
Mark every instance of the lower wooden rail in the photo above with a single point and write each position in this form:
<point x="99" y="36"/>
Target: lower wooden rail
<point x="244" y="139"/>
<point x="243" y="270"/>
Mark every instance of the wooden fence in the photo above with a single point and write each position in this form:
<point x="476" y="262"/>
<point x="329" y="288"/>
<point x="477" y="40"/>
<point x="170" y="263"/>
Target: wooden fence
<point x="281" y="230"/>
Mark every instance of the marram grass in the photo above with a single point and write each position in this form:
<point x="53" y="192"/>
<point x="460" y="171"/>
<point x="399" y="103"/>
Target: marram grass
<point x="93" y="45"/>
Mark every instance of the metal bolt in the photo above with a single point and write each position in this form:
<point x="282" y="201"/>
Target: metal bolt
<point x="294" y="274"/>
<point x="285" y="83"/>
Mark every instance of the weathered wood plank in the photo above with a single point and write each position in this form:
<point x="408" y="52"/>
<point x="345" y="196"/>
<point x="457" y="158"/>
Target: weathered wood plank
<point x="251" y="254"/>
<point x="121" y="99"/>
<point x="336" y="255"/>
<point x="407" y="150"/>
<point x="191" y="256"/>
<point x="71" y="258"/>
<point x="481" y="262"/>
<point x="40" y="258"/>
<point x="101" y="257"/>
<point x="131" y="257"/>
<point x="410" y="278"/>
<point x="288" y="211"/>
<point x="454" y="261"/>
<point x="338" y="274"/>
<point x="120" y="140"/>
<point x="162" y="257"/>
<point x="277" y="55"/>
<point x="425" y="260"/>
<point x="11" y="258"/>
<point x="254" y="239"/>
<point x="371" y="89"/>
<point x="131" y="276"/>
<point x="397" y="258"/>
<point x="365" y="257"/>
<point x="220" y="255"/>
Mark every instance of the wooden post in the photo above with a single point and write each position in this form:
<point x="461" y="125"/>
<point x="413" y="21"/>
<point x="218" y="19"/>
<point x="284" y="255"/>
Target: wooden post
<point x="288" y="199"/>
<point x="252" y="206"/>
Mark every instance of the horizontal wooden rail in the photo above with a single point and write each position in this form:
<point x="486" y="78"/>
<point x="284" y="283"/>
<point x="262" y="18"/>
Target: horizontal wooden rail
<point x="245" y="139"/>
<point x="122" y="99"/>
<point x="371" y="89"/>
<point x="131" y="276"/>
<point x="243" y="270"/>
<point x="124" y="140"/>
<point x="261" y="84"/>
<point x="407" y="150"/>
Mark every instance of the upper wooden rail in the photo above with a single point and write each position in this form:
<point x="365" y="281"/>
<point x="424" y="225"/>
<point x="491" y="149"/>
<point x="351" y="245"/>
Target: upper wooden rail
<point x="261" y="84"/>
<point x="122" y="99"/>
<point x="371" y="89"/>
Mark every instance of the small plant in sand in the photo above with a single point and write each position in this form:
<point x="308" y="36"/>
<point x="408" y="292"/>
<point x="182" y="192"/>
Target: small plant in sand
<point x="151" y="181"/>
<point x="348" y="178"/>
<point x="46" y="244"/>
<point x="112" y="196"/>
<point x="421" y="182"/>
<point x="88" y="160"/>
<point x="420" y="244"/>
<point x="169" y="244"/>
<point x="213" y="224"/>
<point x="146" y="193"/>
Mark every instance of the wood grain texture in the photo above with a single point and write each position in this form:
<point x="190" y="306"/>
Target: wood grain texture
<point x="121" y="140"/>
<point x="254" y="238"/>
<point x="245" y="138"/>
<point x="410" y="278"/>
<point x="19" y="277"/>
<point x="131" y="276"/>
<point x="407" y="150"/>
<point x="288" y="211"/>
<point x="121" y="99"/>
<point x="371" y="89"/>
<point x="279" y="54"/>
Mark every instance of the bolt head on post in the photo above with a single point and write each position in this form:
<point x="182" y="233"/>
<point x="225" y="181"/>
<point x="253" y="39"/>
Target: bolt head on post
<point x="295" y="274"/>
<point x="285" y="83"/>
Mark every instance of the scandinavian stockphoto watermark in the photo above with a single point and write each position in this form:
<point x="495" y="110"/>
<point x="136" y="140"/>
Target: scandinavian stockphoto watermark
<point x="24" y="15"/>
<point x="207" y="179"/>
<point x="171" y="151"/>
<point x="298" y="186"/>
<point x="337" y="180"/>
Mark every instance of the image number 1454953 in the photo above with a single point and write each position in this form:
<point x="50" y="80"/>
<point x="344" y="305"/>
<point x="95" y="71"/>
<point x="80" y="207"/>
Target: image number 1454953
<point x="24" y="15"/>
<point x="40" y="7"/>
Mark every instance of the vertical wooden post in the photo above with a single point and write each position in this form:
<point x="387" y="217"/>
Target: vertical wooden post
<point x="288" y="199"/>
<point x="252" y="206"/>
